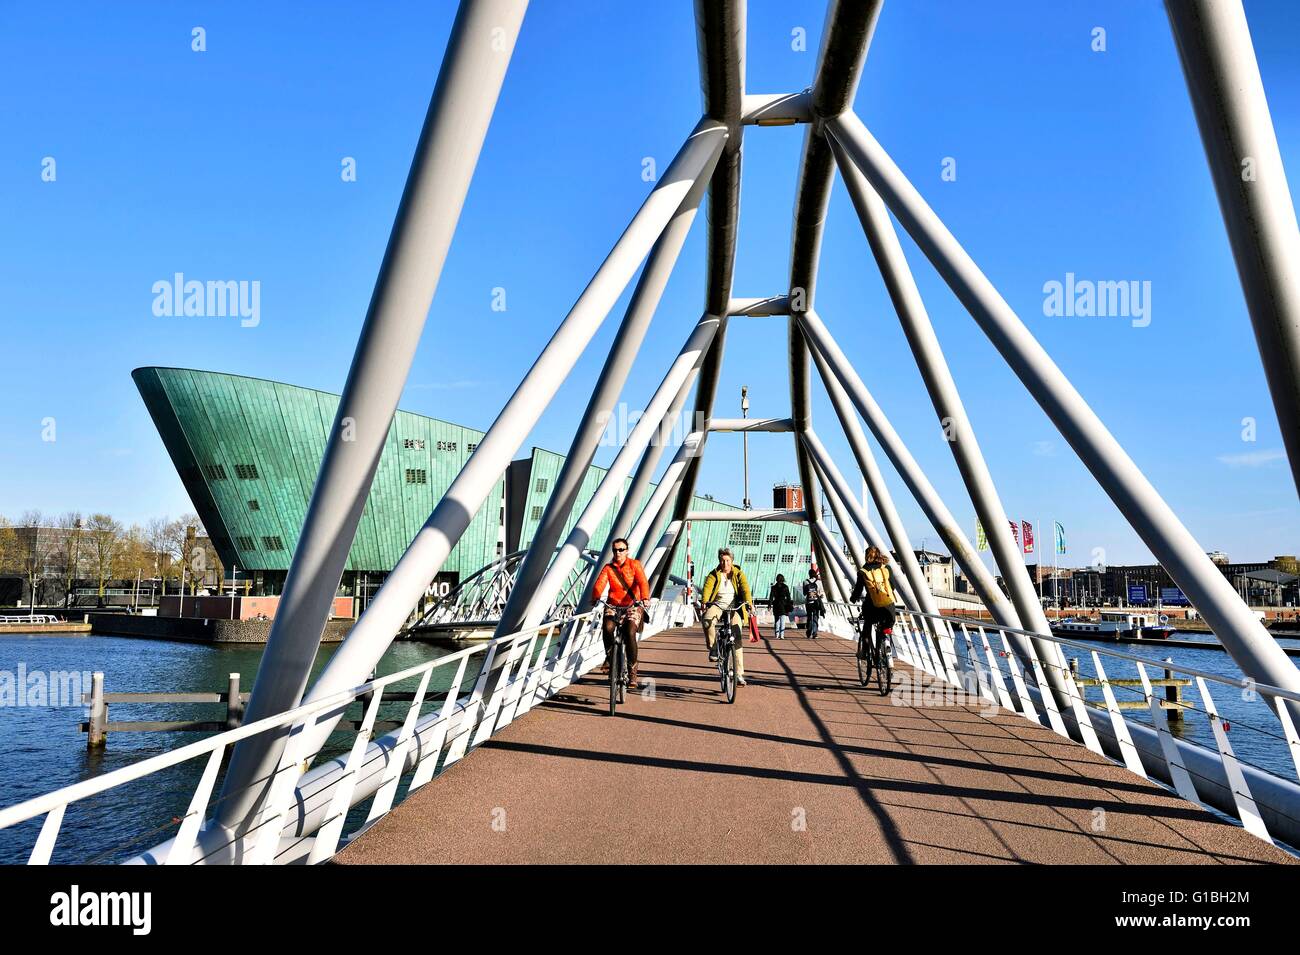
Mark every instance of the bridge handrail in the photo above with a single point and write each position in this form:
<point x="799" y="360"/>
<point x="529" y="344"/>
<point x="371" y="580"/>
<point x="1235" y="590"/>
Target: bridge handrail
<point x="52" y="804"/>
<point x="1266" y="802"/>
<point x="1245" y="683"/>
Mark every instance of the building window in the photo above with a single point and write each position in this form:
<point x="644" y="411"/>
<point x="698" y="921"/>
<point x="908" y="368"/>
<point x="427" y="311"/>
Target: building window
<point x="787" y="558"/>
<point x="472" y="447"/>
<point x="540" y="485"/>
<point x="246" y="472"/>
<point x="417" y="476"/>
<point x="750" y="558"/>
<point x="272" y="543"/>
<point x="806" y="559"/>
<point x="245" y="543"/>
<point x="214" y="472"/>
<point x="769" y="558"/>
<point x="537" y="512"/>
<point x="447" y="445"/>
<point x="254" y="506"/>
<point x="413" y="444"/>
<point x="792" y="538"/>
<point x="773" y="539"/>
<point x="744" y="534"/>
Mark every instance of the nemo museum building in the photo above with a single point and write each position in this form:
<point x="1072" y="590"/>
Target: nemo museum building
<point x="248" y="451"/>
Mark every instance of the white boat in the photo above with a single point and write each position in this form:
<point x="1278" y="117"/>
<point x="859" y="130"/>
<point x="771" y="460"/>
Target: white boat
<point x="1116" y="625"/>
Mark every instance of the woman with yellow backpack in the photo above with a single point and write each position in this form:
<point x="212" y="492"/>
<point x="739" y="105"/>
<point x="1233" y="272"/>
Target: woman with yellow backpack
<point x="875" y="588"/>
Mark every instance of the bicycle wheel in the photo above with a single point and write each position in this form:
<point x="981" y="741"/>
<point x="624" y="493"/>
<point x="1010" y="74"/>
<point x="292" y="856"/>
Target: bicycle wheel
<point x="884" y="670"/>
<point x="729" y="680"/>
<point x="864" y="661"/>
<point x="615" y="668"/>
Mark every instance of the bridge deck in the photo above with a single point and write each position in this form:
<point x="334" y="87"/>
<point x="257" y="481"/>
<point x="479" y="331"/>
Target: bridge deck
<point x="806" y="766"/>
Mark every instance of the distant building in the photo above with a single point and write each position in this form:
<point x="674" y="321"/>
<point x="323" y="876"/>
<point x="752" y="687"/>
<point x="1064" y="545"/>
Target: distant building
<point x="1269" y="588"/>
<point x="938" y="570"/>
<point x="787" y="497"/>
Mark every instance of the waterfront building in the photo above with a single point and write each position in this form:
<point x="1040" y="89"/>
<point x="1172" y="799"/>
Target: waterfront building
<point x="248" y="451"/>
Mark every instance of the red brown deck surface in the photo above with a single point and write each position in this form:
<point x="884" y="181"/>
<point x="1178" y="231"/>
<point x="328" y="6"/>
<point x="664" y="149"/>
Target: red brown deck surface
<point x="806" y="766"/>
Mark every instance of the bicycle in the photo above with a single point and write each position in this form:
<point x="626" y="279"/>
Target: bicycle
<point x="727" y="637"/>
<point x="874" y="656"/>
<point x="619" y="674"/>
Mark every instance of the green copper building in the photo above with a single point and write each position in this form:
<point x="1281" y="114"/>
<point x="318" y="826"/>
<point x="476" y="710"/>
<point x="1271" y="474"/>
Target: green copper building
<point x="248" y="451"/>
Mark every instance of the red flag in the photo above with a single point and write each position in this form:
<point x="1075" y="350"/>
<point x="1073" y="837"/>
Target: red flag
<point x="1015" y="532"/>
<point x="1029" y="537"/>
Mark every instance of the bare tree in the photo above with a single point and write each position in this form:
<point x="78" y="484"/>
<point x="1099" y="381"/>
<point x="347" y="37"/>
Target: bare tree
<point x="39" y="547"/>
<point x="104" y="536"/>
<point x="135" y="561"/>
<point x="158" y="535"/>
<point x="9" y="547"/>
<point x="72" y="550"/>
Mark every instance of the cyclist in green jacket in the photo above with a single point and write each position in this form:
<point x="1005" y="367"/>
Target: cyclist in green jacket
<point x="726" y="589"/>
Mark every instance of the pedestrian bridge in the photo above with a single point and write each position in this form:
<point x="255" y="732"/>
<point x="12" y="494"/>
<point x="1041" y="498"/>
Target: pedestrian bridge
<point x="505" y="751"/>
<point x="806" y="767"/>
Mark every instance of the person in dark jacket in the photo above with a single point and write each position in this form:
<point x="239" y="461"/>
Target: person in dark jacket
<point x="782" y="605"/>
<point x="812" y="601"/>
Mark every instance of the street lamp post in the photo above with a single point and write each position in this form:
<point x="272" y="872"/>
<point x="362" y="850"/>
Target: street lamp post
<point x="744" y="439"/>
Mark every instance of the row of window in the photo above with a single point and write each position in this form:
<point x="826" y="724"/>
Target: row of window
<point x="217" y="472"/>
<point x="268" y="543"/>
<point x="418" y="444"/>
<point x="789" y="538"/>
<point x="746" y="534"/>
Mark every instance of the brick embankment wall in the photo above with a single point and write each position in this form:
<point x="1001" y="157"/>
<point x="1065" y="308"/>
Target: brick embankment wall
<point x="197" y="630"/>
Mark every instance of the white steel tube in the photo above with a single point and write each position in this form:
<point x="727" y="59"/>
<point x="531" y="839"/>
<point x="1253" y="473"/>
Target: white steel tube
<point x="469" y="82"/>
<point x="1243" y="636"/>
<point x="676" y="381"/>
<point x="372" y="633"/>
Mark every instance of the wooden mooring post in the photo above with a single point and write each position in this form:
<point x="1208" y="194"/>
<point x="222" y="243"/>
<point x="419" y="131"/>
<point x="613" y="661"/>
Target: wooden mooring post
<point x="1172" y="703"/>
<point x="97" y="728"/>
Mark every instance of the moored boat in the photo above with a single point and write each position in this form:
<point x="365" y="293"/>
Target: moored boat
<point x="1115" y="625"/>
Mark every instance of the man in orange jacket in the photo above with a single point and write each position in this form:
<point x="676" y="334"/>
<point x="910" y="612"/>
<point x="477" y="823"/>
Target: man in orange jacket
<point x="624" y="577"/>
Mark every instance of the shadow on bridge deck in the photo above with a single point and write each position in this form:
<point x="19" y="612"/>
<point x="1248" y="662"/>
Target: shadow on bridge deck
<point x="807" y="766"/>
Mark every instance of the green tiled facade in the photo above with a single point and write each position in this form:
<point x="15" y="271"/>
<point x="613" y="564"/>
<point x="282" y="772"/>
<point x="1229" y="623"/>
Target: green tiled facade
<point x="763" y="549"/>
<point x="248" y="451"/>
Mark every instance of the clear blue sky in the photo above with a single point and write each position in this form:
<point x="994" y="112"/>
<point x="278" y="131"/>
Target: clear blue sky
<point x="226" y="165"/>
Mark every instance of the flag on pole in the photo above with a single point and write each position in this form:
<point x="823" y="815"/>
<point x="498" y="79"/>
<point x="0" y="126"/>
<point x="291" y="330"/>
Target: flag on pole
<point x="1015" y="532"/>
<point x="1028" y="536"/>
<point x="981" y="542"/>
<point x="1060" y="537"/>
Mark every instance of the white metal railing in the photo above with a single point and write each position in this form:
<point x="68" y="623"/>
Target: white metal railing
<point x="31" y="618"/>
<point x="1221" y="778"/>
<point x="538" y="662"/>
